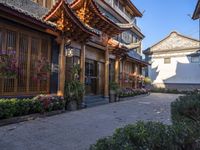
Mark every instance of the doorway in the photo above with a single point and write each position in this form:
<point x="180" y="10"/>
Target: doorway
<point x="91" y="77"/>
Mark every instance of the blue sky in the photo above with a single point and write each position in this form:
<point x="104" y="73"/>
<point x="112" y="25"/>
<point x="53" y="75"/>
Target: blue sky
<point x="163" y="16"/>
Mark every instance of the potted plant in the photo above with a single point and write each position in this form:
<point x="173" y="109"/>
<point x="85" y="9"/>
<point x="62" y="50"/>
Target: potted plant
<point x="114" y="90"/>
<point x="74" y="90"/>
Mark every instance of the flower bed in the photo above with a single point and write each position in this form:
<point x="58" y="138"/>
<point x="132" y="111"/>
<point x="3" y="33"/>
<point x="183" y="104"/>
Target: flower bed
<point x="129" y="92"/>
<point x="20" y="107"/>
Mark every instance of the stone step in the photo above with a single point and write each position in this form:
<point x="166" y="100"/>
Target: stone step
<point x="96" y="104"/>
<point x="91" y="101"/>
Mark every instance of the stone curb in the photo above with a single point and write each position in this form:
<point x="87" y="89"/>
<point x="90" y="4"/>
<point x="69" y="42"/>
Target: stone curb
<point x="19" y="119"/>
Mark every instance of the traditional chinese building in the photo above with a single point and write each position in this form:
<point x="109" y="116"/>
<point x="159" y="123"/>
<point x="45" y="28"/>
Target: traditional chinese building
<point x="100" y="35"/>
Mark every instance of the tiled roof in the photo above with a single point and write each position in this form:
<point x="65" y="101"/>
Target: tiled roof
<point x="28" y="8"/>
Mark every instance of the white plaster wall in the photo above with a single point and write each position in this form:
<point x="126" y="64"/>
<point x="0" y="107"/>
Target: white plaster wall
<point x="181" y="70"/>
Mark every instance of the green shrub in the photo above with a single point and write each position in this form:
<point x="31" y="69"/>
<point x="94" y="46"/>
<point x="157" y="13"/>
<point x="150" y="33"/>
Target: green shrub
<point x="20" y="107"/>
<point x="114" y="86"/>
<point x="148" y="136"/>
<point x="186" y="109"/>
<point x="185" y="137"/>
<point x="14" y="107"/>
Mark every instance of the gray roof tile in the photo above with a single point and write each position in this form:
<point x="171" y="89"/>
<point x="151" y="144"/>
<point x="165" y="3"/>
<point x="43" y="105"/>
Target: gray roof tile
<point x="28" y="8"/>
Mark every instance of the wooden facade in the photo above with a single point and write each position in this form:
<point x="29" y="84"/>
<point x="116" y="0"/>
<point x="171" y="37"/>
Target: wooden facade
<point x="76" y="25"/>
<point x="28" y="47"/>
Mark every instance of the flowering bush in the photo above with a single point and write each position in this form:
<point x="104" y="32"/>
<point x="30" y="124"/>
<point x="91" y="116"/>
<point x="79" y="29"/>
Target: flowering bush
<point x="42" y="68"/>
<point x="20" y="107"/>
<point x="8" y="64"/>
<point x="129" y="92"/>
<point x="50" y="102"/>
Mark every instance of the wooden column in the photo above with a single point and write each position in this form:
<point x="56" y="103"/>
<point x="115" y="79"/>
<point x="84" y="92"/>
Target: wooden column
<point x="106" y="82"/>
<point x="123" y="73"/>
<point x="82" y="64"/>
<point x="136" y="73"/>
<point x="117" y="70"/>
<point x="62" y="68"/>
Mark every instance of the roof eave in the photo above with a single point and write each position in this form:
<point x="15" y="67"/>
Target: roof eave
<point x="21" y="15"/>
<point x="135" y="9"/>
<point x="196" y="14"/>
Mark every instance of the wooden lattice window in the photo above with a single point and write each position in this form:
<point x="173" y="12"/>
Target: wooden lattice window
<point x="44" y="54"/>
<point x="33" y="86"/>
<point x="27" y="48"/>
<point x="23" y="63"/>
<point x="9" y="84"/>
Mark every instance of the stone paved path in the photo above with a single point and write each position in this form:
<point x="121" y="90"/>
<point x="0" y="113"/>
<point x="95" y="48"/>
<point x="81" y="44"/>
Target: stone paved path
<point x="77" y="130"/>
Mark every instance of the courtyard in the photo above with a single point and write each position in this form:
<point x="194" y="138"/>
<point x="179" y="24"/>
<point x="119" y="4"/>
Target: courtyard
<point x="79" y="129"/>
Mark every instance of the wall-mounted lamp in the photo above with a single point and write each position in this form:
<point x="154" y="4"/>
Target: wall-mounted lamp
<point x="69" y="51"/>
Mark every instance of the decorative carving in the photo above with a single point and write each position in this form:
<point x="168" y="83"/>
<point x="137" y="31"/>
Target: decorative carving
<point x="60" y="22"/>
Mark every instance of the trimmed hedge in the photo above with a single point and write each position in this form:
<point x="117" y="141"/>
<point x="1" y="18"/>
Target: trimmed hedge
<point x="20" y="107"/>
<point x="149" y="136"/>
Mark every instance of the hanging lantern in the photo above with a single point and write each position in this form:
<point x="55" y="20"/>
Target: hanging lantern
<point x="69" y="51"/>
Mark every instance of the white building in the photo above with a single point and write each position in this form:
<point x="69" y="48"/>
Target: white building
<point x="175" y="62"/>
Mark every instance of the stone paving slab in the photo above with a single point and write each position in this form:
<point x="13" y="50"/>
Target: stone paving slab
<point x="77" y="130"/>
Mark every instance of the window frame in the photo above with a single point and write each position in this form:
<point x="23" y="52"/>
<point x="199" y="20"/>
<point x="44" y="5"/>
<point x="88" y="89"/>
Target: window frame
<point x="167" y="62"/>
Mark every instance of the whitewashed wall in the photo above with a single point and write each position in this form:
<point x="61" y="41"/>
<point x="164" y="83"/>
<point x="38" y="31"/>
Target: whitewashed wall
<point x="180" y="71"/>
